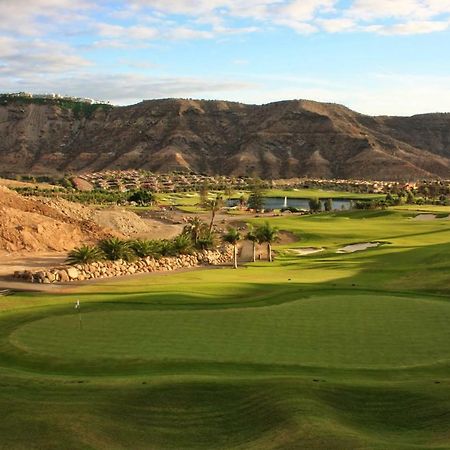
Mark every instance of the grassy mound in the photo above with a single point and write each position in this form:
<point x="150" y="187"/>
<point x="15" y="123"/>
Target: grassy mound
<point x="357" y="330"/>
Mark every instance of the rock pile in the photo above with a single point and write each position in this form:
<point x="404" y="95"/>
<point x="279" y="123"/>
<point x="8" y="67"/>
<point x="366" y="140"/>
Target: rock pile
<point x="103" y="269"/>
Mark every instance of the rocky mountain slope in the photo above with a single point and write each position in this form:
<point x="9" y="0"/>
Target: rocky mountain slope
<point x="277" y="140"/>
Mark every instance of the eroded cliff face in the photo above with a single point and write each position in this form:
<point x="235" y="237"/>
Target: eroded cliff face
<point x="284" y="139"/>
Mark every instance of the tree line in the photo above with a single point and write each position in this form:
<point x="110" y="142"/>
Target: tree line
<point x="196" y="236"/>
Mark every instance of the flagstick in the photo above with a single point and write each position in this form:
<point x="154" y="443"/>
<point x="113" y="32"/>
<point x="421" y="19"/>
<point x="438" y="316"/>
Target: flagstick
<point x="77" y="306"/>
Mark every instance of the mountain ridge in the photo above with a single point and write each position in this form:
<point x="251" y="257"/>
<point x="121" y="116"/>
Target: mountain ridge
<point x="283" y="139"/>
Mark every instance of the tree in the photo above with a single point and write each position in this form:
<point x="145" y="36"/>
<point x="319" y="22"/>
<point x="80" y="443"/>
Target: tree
<point x="328" y="205"/>
<point x="315" y="205"/>
<point x="142" y="197"/>
<point x="84" y="255"/>
<point x="195" y="228"/>
<point x="115" y="248"/>
<point x="253" y="238"/>
<point x="410" y="199"/>
<point x="233" y="237"/>
<point x="256" y="201"/>
<point x="214" y="205"/>
<point x="267" y="234"/>
<point x="203" y="192"/>
<point x="256" y="198"/>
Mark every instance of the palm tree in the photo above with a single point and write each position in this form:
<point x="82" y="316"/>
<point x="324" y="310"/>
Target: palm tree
<point x="214" y="205"/>
<point x="232" y="237"/>
<point x="115" y="248"/>
<point x="267" y="234"/>
<point x="253" y="238"/>
<point x="195" y="228"/>
<point x="85" y="254"/>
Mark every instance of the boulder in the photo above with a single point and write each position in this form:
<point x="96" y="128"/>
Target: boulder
<point x="63" y="276"/>
<point x="72" y="272"/>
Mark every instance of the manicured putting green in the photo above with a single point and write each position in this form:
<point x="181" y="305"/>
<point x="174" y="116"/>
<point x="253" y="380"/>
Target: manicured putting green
<point x="334" y="331"/>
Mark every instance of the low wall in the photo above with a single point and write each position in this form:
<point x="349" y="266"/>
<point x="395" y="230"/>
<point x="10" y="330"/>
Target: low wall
<point x="104" y="269"/>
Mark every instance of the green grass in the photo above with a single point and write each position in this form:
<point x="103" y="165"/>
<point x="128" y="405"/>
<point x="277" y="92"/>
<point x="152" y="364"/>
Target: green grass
<point x="355" y="331"/>
<point x="320" y="193"/>
<point x="327" y="351"/>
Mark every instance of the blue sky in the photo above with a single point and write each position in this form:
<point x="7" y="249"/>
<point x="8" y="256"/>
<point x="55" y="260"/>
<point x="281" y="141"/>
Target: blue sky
<point x="374" y="56"/>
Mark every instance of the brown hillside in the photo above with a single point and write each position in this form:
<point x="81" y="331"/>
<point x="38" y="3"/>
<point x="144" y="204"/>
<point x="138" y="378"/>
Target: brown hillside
<point x="30" y="225"/>
<point x="284" y="139"/>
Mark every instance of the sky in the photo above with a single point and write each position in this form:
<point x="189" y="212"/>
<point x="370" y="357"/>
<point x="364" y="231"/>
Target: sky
<point x="375" y="56"/>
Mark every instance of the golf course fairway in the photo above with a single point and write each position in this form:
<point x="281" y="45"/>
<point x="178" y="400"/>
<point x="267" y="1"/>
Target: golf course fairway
<point x="325" y="351"/>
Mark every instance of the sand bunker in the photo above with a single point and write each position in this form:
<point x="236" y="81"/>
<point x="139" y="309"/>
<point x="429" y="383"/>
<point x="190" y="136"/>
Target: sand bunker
<point x="358" y="247"/>
<point x="306" y="250"/>
<point x="425" y="217"/>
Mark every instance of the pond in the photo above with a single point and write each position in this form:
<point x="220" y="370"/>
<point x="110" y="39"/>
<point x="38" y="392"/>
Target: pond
<point x="299" y="203"/>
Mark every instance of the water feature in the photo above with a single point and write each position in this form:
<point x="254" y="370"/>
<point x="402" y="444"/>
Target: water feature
<point x="299" y="203"/>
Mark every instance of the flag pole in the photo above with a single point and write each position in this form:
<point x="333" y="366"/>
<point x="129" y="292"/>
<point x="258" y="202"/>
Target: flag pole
<point x="77" y="307"/>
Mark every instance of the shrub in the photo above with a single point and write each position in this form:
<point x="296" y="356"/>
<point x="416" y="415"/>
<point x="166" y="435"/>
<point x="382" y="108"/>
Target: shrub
<point x="85" y="254"/>
<point x="146" y="247"/>
<point x="115" y="248"/>
<point x="207" y="241"/>
<point x="182" y="245"/>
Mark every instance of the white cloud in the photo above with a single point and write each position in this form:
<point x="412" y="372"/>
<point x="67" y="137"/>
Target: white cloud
<point x="126" y="88"/>
<point x="132" y="32"/>
<point x="310" y="16"/>
<point x="37" y="57"/>
<point x="415" y="27"/>
<point x="31" y="57"/>
<point x="38" y="17"/>
<point x="337" y="25"/>
<point x="375" y="9"/>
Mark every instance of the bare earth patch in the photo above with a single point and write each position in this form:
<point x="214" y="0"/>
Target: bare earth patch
<point x="10" y="262"/>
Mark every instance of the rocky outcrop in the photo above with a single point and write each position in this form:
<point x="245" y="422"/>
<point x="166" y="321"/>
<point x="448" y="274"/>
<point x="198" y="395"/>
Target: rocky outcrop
<point x="104" y="269"/>
<point x="278" y="140"/>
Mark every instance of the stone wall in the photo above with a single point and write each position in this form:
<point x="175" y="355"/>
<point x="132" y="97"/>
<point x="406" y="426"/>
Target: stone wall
<point x="103" y="269"/>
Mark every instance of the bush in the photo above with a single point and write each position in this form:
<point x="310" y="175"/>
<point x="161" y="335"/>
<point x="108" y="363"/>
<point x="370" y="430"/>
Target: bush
<point x="144" y="248"/>
<point x="85" y="255"/>
<point x="115" y="248"/>
<point x="207" y="241"/>
<point x="182" y="245"/>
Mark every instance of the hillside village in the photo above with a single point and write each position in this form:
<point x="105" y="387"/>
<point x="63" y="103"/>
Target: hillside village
<point x="50" y="96"/>
<point x="130" y="180"/>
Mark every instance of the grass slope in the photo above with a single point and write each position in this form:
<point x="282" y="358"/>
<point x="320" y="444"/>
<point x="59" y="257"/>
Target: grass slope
<point x="328" y="351"/>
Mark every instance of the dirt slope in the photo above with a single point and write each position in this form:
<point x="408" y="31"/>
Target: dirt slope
<point x="28" y="224"/>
